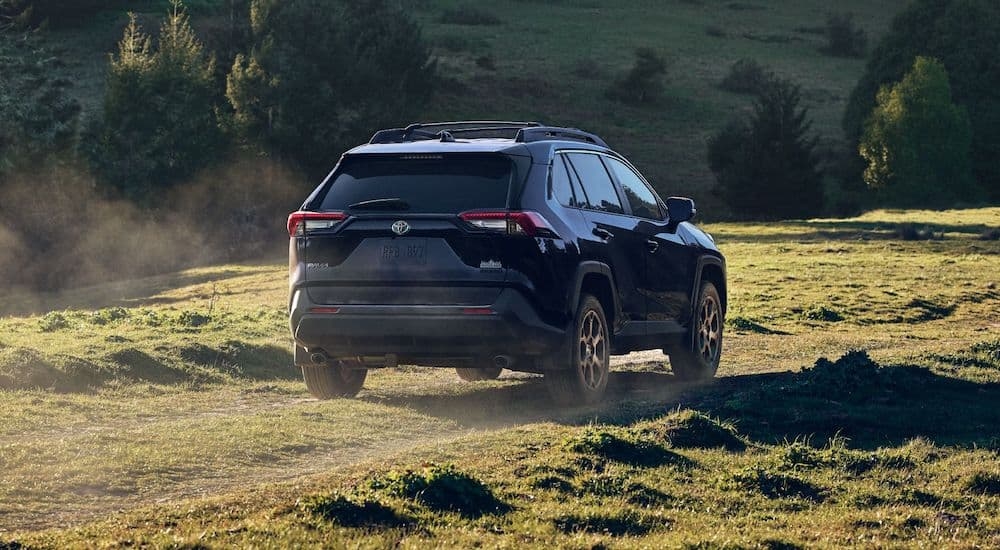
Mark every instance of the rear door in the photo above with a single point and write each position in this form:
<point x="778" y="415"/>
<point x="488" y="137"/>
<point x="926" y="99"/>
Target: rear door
<point x="402" y="242"/>
<point x="669" y="262"/>
<point x="610" y="238"/>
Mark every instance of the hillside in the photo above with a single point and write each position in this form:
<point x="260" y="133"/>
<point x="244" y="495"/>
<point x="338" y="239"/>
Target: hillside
<point x="164" y="411"/>
<point x="553" y="61"/>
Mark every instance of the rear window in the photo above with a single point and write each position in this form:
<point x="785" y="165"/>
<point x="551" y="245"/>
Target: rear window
<point x="421" y="183"/>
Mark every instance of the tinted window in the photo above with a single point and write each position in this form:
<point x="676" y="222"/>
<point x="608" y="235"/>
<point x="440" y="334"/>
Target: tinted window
<point x="597" y="184"/>
<point x="639" y="197"/>
<point x="562" y="189"/>
<point x="436" y="184"/>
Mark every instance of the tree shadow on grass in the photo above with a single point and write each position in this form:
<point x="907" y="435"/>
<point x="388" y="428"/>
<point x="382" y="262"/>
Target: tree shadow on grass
<point x="853" y="397"/>
<point x="854" y="230"/>
<point x="871" y="405"/>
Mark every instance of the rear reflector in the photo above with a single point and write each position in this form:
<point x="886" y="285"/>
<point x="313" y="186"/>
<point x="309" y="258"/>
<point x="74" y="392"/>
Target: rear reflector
<point x="479" y="311"/>
<point x="527" y="223"/>
<point x="324" y="310"/>
<point x="300" y="223"/>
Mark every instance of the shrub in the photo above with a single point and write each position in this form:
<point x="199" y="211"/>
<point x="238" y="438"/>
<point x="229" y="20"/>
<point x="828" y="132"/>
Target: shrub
<point x="917" y="141"/>
<point x="321" y="75"/>
<point x="746" y="76"/>
<point x="158" y="123"/>
<point x="965" y="36"/>
<point x="765" y="166"/>
<point x="844" y="38"/>
<point x="644" y="82"/>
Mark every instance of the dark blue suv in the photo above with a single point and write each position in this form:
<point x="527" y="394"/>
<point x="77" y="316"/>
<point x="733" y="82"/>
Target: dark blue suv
<point x="486" y="246"/>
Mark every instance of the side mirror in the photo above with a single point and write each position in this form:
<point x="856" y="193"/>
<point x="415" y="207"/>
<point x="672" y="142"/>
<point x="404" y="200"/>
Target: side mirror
<point x="680" y="209"/>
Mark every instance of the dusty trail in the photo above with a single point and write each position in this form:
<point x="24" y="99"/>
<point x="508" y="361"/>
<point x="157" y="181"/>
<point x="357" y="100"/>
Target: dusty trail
<point x="402" y="411"/>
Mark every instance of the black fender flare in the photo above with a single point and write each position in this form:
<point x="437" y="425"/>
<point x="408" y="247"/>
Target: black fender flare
<point x="588" y="268"/>
<point x="703" y="261"/>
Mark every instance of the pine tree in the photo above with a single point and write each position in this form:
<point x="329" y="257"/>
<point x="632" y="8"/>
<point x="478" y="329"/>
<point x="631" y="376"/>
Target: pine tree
<point x="322" y="75"/>
<point x="159" y="122"/>
<point x="766" y="167"/>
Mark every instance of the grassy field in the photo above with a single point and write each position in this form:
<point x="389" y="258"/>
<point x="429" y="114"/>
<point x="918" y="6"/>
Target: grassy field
<point x="164" y="411"/>
<point x="553" y="62"/>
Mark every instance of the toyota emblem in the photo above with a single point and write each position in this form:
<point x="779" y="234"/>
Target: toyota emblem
<point x="401" y="228"/>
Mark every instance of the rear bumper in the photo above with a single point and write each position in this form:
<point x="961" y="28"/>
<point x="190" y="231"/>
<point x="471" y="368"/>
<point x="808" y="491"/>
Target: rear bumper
<point x="417" y="333"/>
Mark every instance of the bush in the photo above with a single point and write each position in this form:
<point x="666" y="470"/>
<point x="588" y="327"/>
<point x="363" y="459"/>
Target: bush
<point x="965" y="36"/>
<point x="322" y="75"/>
<point x="158" y="123"/>
<point x="916" y="142"/>
<point x="746" y="76"/>
<point x="644" y="82"/>
<point x="844" y="38"/>
<point x="765" y="166"/>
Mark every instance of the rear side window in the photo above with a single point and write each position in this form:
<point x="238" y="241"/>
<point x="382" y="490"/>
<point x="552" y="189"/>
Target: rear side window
<point x="601" y="194"/>
<point x="440" y="184"/>
<point x="565" y="188"/>
<point x="639" y="197"/>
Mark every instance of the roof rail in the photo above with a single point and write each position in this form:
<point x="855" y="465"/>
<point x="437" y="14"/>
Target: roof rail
<point x="438" y="130"/>
<point x="542" y="133"/>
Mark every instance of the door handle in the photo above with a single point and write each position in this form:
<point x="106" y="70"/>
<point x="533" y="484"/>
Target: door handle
<point x="603" y="233"/>
<point x="652" y="245"/>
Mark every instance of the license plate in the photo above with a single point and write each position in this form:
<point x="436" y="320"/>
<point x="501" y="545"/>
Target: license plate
<point x="404" y="251"/>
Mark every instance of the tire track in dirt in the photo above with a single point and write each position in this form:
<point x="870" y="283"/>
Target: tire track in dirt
<point x="451" y="409"/>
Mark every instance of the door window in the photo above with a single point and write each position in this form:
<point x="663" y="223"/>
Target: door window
<point x="640" y="198"/>
<point x="597" y="184"/>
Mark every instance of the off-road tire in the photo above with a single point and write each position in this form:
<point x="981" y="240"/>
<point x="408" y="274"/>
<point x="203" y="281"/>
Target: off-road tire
<point x="699" y="360"/>
<point x="582" y="376"/>
<point x="478" y="374"/>
<point x="333" y="380"/>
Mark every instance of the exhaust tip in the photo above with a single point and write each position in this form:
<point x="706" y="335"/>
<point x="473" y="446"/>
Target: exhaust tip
<point x="318" y="358"/>
<point x="503" y="361"/>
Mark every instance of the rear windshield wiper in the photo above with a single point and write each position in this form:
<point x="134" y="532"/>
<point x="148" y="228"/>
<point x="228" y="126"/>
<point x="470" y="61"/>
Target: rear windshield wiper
<point x="381" y="204"/>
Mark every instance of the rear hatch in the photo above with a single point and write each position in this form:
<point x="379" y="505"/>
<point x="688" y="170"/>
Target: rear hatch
<point x="400" y="240"/>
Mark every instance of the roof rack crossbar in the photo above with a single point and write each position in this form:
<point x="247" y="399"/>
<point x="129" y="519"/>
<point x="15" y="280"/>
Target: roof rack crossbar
<point x="434" y="130"/>
<point x="541" y="133"/>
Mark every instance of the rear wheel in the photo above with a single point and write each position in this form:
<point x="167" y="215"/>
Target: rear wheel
<point x="333" y="380"/>
<point x="478" y="374"/>
<point x="700" y="360"/>
<point x="588" y="355"/>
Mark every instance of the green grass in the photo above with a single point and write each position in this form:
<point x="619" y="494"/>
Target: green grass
<point x="164" y="411"/>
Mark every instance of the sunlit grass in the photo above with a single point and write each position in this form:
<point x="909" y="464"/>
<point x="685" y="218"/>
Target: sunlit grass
<point x="187" y="392"/>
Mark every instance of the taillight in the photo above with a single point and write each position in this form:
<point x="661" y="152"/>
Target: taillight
<point x="527" y="223"/>
<point x="300" y="223"/>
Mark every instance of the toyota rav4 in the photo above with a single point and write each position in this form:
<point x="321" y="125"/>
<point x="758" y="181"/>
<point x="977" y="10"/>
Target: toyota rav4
<point x="484" y="246"/>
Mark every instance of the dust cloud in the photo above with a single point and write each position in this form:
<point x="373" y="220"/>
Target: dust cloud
<point x="59" y="229"/>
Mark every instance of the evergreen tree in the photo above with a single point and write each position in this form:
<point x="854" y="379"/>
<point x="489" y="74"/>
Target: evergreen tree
<point x="322" y="75"/>
<point x="766" y="167"/>
<point x="916" y="142"/>
<point x="159" y="121"/>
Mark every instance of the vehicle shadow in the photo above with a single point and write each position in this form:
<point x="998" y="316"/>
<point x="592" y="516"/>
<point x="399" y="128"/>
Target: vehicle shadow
<point x="870" y="405"/>
<point x="524" y="399"/>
